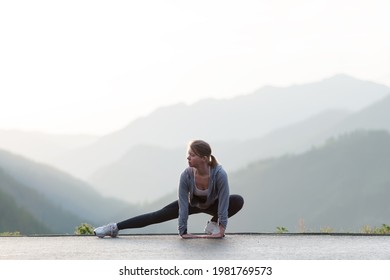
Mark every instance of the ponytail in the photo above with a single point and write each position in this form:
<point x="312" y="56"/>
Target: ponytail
<point x="213" y="161"/>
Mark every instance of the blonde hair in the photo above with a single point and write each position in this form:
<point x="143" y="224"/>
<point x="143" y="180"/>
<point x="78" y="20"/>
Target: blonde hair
<point x="202" y="148"/>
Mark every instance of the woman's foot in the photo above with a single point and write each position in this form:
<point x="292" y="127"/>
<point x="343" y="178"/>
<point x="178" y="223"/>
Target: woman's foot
<point x="211" y="228"/>
<point x="107" y="230"/>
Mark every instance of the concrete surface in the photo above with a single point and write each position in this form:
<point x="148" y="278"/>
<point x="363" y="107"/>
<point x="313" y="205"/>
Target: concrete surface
<point x="172" y="247"/>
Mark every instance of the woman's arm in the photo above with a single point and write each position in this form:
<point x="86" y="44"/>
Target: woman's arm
<point x="223" y="198"/>
<point x="183" y="204"/>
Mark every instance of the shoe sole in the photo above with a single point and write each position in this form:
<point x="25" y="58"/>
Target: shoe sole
<point x="98" y="235"/>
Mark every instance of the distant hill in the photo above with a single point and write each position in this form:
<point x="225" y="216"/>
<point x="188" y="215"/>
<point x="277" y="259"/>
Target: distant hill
<point x="15" y="218"/>
<point x="295" y="138"/>
<point x="56" y="200"/>
<point x="375" y="116"/>
<point x="343" y="184"/>
<point x="42" y="147"/>
<point x="157" y="169"/>
<point x="30" y="212"/>
<point x="237" y="119"/>
<point x="144" y="174"/>
<point x="123" y="176"/>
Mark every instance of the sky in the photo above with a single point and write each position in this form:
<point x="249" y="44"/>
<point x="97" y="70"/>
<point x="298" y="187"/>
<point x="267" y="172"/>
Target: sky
<point x="91" y="67"/>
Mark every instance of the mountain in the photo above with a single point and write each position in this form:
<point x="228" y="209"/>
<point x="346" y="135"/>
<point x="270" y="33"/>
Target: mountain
<point x="16" y="218"/>
<point x="57" y="200"/>
<point x="142" y="162"/>
<point x="311" y="132"/>
<point x="237" y="119"/>
<point x="42" y="147"/>
<point x="157" y="169"/>
<point x="121" y="177"/>
<point x="343" y="184"/>
<point x="30" y="212"/>
<point x="295" y="138"/>
<point x="374" y="116"/>
<point x="144" y="174"/>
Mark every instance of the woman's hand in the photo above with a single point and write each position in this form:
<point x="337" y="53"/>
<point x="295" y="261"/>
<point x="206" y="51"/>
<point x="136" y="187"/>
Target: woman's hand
<point x="220" y="234"/>
<point x="188" y="236"/>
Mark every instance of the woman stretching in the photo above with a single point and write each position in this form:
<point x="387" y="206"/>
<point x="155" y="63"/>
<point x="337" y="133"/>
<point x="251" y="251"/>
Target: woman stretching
<point x="203" y="188"/>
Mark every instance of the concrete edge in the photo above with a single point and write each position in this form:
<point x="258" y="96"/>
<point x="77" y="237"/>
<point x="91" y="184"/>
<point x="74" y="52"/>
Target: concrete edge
<point x="228" y="234"/>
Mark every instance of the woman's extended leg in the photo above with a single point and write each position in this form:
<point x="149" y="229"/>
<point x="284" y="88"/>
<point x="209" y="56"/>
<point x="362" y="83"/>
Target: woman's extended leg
<point x="169" y="212"/>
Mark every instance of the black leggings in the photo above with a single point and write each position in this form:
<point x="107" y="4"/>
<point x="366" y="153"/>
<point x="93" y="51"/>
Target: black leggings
<point x="171" y="211"/>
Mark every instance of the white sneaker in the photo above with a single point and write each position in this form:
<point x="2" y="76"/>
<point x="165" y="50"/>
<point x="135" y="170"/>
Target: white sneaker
<point x="211" y="228"/>
<point x="107" y="230"/>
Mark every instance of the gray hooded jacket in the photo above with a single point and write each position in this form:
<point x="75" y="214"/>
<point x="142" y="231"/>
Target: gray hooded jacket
<point x="218" y="190"/>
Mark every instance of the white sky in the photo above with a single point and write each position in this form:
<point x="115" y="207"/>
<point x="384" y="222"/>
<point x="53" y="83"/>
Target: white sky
<point x="93" y="66"/>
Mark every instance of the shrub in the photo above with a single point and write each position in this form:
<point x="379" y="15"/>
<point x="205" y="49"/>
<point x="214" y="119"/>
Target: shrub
<point x="84" y="229"/>
<point x="327" y="230"/>
<point x="15" y="233"/>
<point x="281" y="230"/>
<point x="385" y="229"/>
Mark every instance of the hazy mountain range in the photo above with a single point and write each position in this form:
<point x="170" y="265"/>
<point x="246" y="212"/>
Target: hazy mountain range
<point x="57" y="201"/>
<point x="343" y="185"/>
<point x="122" y="177"/>
<point x="340" y="186"/>
<point x="237" y="119"/>
<point x="260" y="138"/>
<point x="40" y="146"/>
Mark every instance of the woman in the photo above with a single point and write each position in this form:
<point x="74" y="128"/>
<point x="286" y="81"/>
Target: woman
<point x="203" y="188"/>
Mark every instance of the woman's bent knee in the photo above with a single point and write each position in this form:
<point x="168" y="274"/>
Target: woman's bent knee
<point x="237" y="200"/>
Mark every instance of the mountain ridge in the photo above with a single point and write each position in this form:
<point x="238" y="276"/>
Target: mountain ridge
<point x="68" y="201"/>
<point x="342" y="184"/>
<point x="121" y="178"/>
<point x="224" y="120"/>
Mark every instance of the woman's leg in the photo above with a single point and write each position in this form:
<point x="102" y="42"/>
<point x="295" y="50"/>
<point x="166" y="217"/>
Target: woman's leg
<point x="236" y="202"/>
<point x="169" y="212"/>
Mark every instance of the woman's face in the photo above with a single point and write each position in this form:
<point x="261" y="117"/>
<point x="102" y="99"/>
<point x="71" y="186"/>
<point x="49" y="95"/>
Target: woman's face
<point x="194" y="160"/>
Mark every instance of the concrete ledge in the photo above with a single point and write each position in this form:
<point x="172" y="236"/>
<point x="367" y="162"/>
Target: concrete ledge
<point x="241" y="246"/>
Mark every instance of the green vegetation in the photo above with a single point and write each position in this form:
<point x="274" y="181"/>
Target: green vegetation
<point x="327" y="230"/>
<point x="84" y="229"/>
<point x="385" y="229"/>
<point x="281" y="230"/>
<point x="15" y="233"/>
